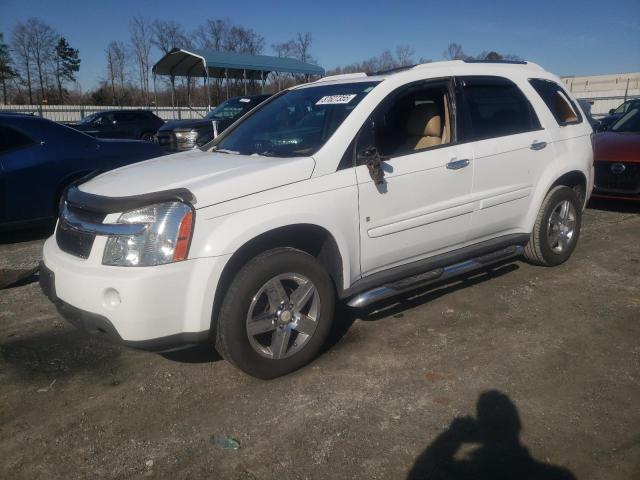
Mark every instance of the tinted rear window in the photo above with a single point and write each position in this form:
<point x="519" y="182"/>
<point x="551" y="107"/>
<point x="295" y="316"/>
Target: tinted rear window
<point x="562" y="108"/>
<point x="494" y="107"/>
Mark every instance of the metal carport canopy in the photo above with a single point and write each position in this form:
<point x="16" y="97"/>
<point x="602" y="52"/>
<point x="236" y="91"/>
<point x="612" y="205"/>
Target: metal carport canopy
<point x="208" y="63"/>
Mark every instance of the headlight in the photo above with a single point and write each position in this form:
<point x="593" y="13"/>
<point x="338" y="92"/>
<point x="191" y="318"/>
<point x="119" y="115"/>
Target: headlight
<point x="166" y="238"/>
<point x="187" y="137"/>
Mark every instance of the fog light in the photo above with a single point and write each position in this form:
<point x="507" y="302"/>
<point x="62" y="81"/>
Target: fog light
<point x="111" y="298"/>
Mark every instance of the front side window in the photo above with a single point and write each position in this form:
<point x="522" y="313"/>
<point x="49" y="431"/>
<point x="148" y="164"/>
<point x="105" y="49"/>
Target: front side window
<point x="11" y="139"/>
<point x="296" y="123"/>
<point x="493" y="107"/>
<point x="412" y="119"/>
<point x="562" y="108"/>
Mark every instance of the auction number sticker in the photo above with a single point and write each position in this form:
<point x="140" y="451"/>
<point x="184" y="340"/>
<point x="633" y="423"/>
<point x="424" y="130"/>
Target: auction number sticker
<point x="335" y="99"/>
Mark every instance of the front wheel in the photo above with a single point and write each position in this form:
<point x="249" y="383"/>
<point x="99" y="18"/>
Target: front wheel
<point x="276" y="314"/>
<point x="557" y="228"/>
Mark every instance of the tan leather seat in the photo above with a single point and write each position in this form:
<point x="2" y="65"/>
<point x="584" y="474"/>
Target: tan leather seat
<point x="424" y="127"/>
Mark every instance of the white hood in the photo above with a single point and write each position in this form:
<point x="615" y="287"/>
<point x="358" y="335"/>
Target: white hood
<point x="211" y="177"/>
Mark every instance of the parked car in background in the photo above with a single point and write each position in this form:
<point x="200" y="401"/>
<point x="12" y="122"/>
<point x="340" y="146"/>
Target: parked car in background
<point x="39" y="158"/>
<point x="586" y="105"/>
<point x="616" y="113"/>
<point x="133" y="124"/>
<point x="180" y="135"/>
<point x="353" y="187"/>
<point x="617" y="158"/>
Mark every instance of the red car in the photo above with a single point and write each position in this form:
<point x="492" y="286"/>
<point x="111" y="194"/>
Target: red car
<point x="617" y="159"/>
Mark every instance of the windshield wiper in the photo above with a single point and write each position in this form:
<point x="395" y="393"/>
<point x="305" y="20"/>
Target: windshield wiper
<point x="226" y="150"/>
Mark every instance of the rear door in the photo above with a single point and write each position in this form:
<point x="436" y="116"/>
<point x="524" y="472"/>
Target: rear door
<point x="510" y="150"/>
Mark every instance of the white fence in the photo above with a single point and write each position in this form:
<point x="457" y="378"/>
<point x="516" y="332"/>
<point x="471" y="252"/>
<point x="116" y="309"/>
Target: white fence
<point x="74" y="113"/>
<point x="604" y="91"/>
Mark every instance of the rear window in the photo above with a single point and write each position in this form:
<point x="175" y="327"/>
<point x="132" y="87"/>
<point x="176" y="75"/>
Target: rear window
<point x="562" y="108"/>
<point x="11" y="139"/>
<point x="494" y="107"/>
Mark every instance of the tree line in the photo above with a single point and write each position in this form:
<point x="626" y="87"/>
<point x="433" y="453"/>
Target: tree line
<point x="38" y="65"/>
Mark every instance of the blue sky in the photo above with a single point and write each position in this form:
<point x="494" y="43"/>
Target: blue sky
<point x="566" y="37"/>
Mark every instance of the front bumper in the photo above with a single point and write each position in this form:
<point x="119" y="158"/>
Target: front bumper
<point x="100" y="327"/>
<point x="151" y="308"/>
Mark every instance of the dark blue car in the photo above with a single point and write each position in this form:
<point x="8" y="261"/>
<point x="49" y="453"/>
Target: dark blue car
<point x="40" y="158"/>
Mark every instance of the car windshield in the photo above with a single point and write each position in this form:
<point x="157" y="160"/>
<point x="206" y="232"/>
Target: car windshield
<point x="630" y="123"/>
<point x="297" y="123"/>
<point x="232" y="109"/>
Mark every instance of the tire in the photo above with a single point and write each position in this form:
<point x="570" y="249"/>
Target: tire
<point x="278" y="342"/>
<point x="557" y="228"/>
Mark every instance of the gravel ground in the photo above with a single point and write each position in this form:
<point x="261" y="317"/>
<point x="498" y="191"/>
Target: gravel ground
<point x="521" y="369"/>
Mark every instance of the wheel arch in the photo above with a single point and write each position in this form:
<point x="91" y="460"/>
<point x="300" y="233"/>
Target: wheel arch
<point x="307" y="237"/>
<point x="573" y="178"/>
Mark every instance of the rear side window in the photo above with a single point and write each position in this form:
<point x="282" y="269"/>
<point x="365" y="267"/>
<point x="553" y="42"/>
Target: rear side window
<point x="494" y="107"/>
<point x="11" y="139"/>
<point x="563" y="109"/>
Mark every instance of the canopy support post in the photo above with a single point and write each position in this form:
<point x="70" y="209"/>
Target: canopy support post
<point x="262" y="78"/>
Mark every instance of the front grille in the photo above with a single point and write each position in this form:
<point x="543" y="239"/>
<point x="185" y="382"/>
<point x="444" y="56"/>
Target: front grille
<point x="74" y="242"/>
<point x="627" y="181"/>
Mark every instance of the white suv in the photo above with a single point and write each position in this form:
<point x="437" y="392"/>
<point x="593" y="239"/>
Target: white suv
<point x="351" y="188"/>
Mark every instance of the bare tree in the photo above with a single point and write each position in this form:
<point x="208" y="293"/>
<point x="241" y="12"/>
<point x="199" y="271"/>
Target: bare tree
<point x="166" y="36"/>
<point x="42" y="47"/>
<point x="21" y="42"/>
<point x="7" y="72"/>
<point x="243" y="40"/>
<point x="140" y="30"/>
<point x="212" y="35"/>
<point x="404" y="55"/>
<point x="116" y="69"/>
<point x="454" y="52"/>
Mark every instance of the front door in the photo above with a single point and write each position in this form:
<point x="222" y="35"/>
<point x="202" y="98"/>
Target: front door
<point x="423" y="205"/>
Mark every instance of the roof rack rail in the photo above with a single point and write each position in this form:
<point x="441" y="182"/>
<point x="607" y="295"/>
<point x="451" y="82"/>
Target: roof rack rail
<point x="341" y="76"/>
<point x="514" y="62"/>
<point x="391" y="70"/>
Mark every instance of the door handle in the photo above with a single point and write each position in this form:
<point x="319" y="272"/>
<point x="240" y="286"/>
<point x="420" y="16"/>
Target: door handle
<point x="457" y="164"/>
<point x="538" y="145"/>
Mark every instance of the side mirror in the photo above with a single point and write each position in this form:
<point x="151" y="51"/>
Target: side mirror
<point x="372" y="159"/>
<point x="612" y="111"/>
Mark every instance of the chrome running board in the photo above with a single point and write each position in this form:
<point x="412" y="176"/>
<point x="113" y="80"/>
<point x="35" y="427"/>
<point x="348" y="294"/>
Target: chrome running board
<point x="438" y="275"/>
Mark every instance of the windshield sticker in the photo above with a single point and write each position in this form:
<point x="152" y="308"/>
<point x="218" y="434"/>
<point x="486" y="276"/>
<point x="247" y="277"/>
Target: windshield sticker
<point x="245" y="100"/>
<point x="335" y="99"/>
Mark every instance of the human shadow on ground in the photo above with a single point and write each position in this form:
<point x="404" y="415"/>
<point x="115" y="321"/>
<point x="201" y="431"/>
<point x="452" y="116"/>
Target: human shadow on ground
<point x="487" y="447"/>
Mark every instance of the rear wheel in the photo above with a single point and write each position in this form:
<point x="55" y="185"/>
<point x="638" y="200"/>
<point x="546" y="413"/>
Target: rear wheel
<point x="557" y="228"/>
<point x="276" y="314"/>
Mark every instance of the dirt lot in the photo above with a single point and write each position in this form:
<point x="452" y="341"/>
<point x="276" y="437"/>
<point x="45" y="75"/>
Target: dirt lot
<point x="521" y="369"/>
